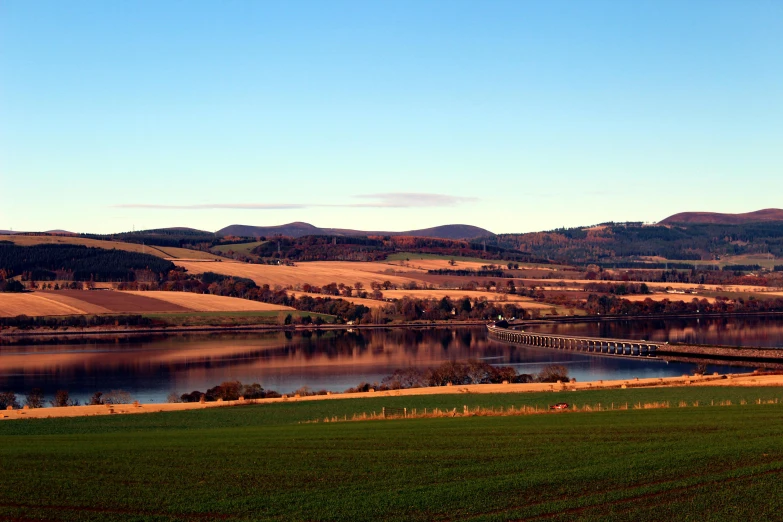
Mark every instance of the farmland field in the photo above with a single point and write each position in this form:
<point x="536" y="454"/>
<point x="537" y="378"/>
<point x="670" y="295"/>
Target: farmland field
<point x="261" y="463"/>
<point x="412" y="257"/>
<point x="84" y="302"/>
<point x="22" y="240"/>
<point x="239" y="248"/>
<point x="315" y="273"/>
<point x="369" y="303"/>
<point x="32" y="304"/>
<point x="210" y="303"/>
<point x="473" y="294"/>
<point x="164" y="252"/>
<point x="234" y="318"/>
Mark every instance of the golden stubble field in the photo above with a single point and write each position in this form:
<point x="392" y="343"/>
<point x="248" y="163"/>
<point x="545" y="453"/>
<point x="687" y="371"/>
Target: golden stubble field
<point x="211" y="303"/>
<point x="85" y="302"/>
<point x="34" y="304"/>
<point x="317" y="273"/>
<point x="494" y="297"/>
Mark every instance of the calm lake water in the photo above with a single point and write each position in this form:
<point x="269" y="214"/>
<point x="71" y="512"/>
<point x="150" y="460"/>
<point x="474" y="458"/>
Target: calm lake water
<point x="150" y="368"/>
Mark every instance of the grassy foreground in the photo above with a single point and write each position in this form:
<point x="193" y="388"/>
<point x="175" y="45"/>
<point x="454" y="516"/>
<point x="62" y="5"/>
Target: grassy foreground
<point x="259" y="462"/>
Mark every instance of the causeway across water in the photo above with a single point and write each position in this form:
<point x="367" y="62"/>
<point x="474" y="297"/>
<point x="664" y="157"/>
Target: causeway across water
<point x="596" y="345"/>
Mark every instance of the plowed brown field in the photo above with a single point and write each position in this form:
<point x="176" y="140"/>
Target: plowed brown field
<point x="117" y="302"/>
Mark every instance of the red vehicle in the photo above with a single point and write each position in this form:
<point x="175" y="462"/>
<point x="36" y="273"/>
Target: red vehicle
<point x="559" y="406"/>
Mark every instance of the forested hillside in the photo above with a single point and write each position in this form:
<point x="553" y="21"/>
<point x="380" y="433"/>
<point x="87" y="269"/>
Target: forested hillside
<point x="374" y="248"/>
<point x="78" y="263"/>
<point x="164" y="237"/>
<point x="617" y="242"/>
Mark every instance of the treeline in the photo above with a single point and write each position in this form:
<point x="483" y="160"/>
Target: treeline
<point x="375" y="248"/>
<point x="461" y="373"/>
<point x="36" y="398"/>
<point x="324" y="248"/>
<point x="227" y="391"/>
<point x="696" y="276"/>
<point x="467" y="272"/>
<point x="24" y="322"/>
<point x="176" y="237"/>
<point x="10" y="285"/>
<point x="617" y="289"/>
<point x="654" y="266"/>
<point x="741" y="268"/>
<point x="77" y="263"/>
<point x="613" y="305"/>
<point x="463" y="309"/>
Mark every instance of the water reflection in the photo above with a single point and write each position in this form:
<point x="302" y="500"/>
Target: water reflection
<point x="150" y="368"/>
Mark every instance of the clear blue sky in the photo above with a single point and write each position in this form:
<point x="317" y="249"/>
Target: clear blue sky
<point x="514" y="116"/>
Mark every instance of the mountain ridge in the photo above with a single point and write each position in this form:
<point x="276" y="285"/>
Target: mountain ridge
<point x="299" y="229"/>
<point x="718" y="218"/>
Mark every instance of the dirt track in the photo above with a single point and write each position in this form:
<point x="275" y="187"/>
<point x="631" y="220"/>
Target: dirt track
<point x="86" y="411"/>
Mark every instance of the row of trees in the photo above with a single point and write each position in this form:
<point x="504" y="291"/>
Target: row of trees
<point x="11" y="285"/>
<point x="24" y="322"/>
<point x="36" y="398"/>
<point x="613" y="305"/>
<point x="372" y="248"/>
<point x="227" y="391"/>
<point x="461" y="373"/>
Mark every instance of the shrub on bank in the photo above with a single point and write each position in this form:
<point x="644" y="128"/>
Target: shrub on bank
<point x="229" y="391"/>
<point x="8" y="399"/>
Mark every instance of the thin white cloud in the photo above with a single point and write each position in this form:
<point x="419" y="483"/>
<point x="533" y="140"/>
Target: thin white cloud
<point x="380" y="200"/>
<point x="209" y="206"/>
<point x="412" y="199"/>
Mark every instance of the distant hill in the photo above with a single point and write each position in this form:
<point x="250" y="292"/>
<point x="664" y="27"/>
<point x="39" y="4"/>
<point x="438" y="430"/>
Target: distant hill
<point x="299" y="229"/>
<point x="715" y="218"/>
<point x="618" y="243"/>
<point x="296" y="229"/>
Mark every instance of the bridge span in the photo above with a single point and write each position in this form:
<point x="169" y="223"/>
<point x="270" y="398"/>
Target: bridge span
<point x="596" y="345"/>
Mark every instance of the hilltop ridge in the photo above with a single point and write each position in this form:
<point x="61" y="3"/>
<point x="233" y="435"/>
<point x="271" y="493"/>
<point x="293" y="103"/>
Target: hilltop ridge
<point x="299" y="229"/>
<point x="717" y="218"/>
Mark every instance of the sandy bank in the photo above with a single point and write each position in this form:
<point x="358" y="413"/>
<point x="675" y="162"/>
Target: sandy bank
<point x="748" y="379"/>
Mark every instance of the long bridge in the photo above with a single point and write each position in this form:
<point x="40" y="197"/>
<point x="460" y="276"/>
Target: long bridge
<point x="596" y="345"/>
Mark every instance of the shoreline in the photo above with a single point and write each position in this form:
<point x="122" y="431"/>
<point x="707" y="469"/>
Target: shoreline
<point x="739" y="380"/>
<point x="8" y="334"/>
<point x="74" y="332"/>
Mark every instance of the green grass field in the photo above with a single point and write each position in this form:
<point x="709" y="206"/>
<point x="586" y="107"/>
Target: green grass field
<point x="239" y="248"/>
<point x="412" y="256"/>
<point x="260" y="463"/>
<point x="763" y="260"/>
<point x="402" y="256"/>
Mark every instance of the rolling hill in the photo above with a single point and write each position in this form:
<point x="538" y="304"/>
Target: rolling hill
<point x="716" y="218"/>
<point x="299" y="229"/>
